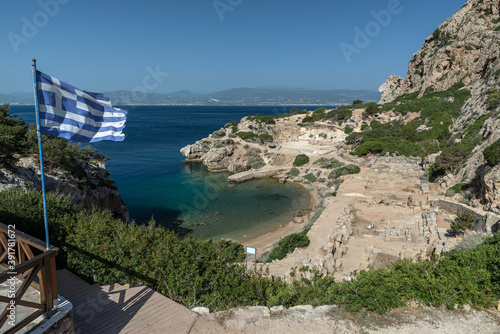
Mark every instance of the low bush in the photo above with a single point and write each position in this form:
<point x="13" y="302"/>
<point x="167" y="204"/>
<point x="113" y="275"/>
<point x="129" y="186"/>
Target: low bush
<point x="288" y="244"/>
<point x="266" y="138"/>
<point x="253" y="137"/>
<point x="254" y="159"/>
<point x="463" y="222"/>
<point x="12" y="135"/>
<point x="300" y="160"/>
<point x="294" y="172"/>
<point x="219" y="133"/>
<point x="316" y="115"/>
<point x="338" y="172"/>
<point x="310" y="177"/>
<point x="492" y="153"/>
<point x="328" y="163"/>
<point x="369" y="147"/>
<point x="248" y="136"/>
<point x="457" y="188"/>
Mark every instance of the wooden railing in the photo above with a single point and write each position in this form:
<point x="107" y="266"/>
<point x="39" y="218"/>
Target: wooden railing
<point x="27" y="259"/>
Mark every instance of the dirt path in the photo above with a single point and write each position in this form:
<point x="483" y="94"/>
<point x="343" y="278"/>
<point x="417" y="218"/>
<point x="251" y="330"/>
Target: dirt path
<point x="329" y="319"/>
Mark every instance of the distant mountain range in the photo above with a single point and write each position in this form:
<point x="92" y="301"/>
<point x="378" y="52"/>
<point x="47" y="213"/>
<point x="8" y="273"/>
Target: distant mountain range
<point x="236" y="96"/>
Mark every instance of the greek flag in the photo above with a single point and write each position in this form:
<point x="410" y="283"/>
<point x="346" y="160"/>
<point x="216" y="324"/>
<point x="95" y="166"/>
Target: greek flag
<point x="74" y="114"/>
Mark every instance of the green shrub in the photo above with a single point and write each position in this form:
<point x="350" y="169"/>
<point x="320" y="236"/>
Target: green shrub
<point x="457" y="188"/>
<point x="248" y="136"/>
<point x="493" y="101"/>
<point x="463" y="222"/>
<point x="492" y="153"/>
<point x="288" y="244"/>
<point x="252" y="137"/>
<point x="369" y="147"/>
<point x="254" y="159"/>
<point x="294" y="172"/>
<point x="348" y="130"/>
<point x="470" y="242"/>
<point x="300" y="160"/>
<point x="12" y="135"/>
<point x="266" y="138"/>
<point x="219" y="133"/>
<point x="310" y="177"/>
<point x="328" y="163"/>
<point x="451" y="159"/>
<point x="316" y="115"/>
<point x="371" y="109"/>
<point x="354" y="139"/>
<point x="339" y="115"/>
<point x="338" y="172"/>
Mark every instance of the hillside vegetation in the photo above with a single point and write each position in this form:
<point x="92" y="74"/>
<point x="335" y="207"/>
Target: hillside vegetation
<point x="205" y="273"/>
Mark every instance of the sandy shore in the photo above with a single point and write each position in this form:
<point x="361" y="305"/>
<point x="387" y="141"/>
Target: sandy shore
<point x="265" y="241"/>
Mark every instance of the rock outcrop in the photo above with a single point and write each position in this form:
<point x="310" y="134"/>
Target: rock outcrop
<point x="95" y="189"/>
<point x="390" y="89"/>
<point x="214" y="153"/>
<point x="490" y="188"/>
<point x="464" y="48"/>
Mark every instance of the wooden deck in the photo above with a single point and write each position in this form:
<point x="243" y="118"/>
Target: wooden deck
<point x="123" y="309"/>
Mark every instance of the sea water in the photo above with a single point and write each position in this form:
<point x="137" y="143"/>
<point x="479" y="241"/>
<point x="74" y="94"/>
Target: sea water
<point x="157" y="183"/>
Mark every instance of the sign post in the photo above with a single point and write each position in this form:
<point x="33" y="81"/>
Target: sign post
<point x="251" y="251"/>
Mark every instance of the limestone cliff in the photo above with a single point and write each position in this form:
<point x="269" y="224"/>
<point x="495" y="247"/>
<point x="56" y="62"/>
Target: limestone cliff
<point x="464" y="48"/>
<point x="91" y="189"/>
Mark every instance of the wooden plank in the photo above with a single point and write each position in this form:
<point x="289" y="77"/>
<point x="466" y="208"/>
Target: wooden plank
<point x="137" y="309"/>
<point x="27" y="281"/>
<point x="53" y="277"/>
<point x="3" y="240"/>
<point x="21" y="268"/>
<point x="21" y="236"/>
<point x="46" y="284"/>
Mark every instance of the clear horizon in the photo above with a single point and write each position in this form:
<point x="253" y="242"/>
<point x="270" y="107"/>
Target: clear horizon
<point x="214" y="45"/>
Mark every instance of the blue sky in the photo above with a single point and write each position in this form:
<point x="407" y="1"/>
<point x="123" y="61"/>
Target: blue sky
<point x="207" y="45"/>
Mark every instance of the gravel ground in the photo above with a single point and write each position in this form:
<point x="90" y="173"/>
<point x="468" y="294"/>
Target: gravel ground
<point x="330" y="319"/>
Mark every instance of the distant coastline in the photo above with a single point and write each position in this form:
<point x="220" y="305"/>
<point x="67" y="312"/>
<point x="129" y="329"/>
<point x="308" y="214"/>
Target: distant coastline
<point x="230" y="97"/>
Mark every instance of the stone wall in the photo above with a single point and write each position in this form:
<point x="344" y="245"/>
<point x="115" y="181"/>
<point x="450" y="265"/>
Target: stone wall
<point x="60" y="321"/>
<point x="489" y="222"/>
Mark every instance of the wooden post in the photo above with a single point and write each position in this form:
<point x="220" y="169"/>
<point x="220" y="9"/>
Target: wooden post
<point x="55" y="294"/>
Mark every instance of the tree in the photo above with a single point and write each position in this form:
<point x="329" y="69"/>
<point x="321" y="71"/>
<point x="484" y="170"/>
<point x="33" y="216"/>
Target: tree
<point x="12" y="134"/>
<point x="357" y="102"/>
<point x="492" y="153"/>
<point x="451" y="158"/>
<point x="301" y="160"/>
<point x="463" y="222"/>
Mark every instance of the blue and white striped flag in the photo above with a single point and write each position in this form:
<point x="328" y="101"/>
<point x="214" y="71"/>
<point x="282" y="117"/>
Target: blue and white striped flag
<point x="74" y="114"/>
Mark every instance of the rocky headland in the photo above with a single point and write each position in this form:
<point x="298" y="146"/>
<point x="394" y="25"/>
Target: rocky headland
<point x="90" y="187"/>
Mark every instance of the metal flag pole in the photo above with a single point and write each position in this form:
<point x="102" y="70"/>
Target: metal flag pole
<point x="35" y="89"/>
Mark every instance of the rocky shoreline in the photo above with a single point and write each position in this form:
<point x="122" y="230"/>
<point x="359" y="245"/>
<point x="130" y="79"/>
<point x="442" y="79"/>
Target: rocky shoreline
<point x="93" y="189"/>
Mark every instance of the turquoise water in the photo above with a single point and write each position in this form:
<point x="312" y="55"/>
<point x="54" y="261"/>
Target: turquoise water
<point x="155" y="181"/>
